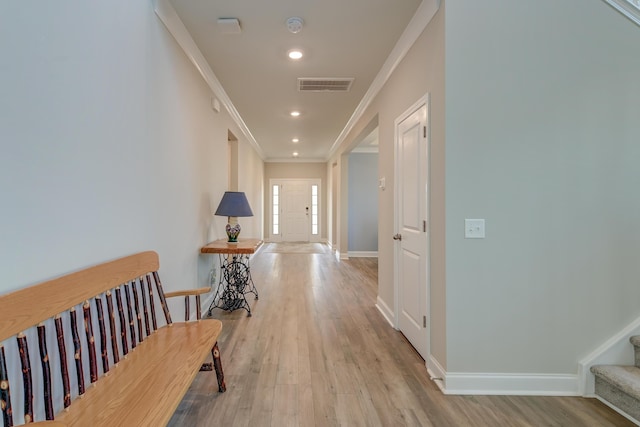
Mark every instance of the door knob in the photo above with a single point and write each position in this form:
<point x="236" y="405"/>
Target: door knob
<point x="397" y="237"/>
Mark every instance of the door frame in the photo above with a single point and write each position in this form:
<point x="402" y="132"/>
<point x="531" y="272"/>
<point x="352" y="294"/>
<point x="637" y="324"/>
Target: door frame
<point x="281" y="181"/>
<point x="423" y="101"/>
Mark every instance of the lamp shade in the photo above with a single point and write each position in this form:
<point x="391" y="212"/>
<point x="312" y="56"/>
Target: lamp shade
<point x="234" y="203"/>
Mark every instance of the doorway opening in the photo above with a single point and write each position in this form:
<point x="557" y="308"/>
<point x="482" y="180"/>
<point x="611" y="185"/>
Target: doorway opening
<point x="362" y="190"/>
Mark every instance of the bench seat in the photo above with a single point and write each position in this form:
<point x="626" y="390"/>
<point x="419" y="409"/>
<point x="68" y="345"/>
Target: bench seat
<point x="135" y="394"/>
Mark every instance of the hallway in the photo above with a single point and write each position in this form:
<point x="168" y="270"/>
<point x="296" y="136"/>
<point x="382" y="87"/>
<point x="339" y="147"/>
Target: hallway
<point x="316" y="352"/>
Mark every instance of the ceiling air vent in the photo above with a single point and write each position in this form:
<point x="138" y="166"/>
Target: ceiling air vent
<point x="324" y="84"/>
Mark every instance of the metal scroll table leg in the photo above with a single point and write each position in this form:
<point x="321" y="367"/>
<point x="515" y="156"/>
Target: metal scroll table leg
<point x="235" y="282"/>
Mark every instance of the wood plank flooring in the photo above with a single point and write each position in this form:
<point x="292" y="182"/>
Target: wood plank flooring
<point x="316" y="352"/>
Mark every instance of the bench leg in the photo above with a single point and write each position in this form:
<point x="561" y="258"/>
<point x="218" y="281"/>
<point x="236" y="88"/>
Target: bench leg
<point x="217" y="364"/>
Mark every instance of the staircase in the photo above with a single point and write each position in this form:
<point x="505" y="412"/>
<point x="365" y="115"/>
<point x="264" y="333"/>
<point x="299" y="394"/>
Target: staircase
<point x="620" y="385"/>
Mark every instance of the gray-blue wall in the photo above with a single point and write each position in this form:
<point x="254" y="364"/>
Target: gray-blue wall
<point x="363" y="202"/>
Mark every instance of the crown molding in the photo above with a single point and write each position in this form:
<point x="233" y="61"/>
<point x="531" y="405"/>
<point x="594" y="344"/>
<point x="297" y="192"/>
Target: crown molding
<point x="418" y="23"/>
<point x="294" y="160"/>
<point x="365" y="150"/>
<point x="169" y="17"/>
<point x="629" y="8"/>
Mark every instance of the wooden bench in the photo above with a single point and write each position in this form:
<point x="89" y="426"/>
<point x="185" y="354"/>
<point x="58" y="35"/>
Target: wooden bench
<point x="96" y="334"/>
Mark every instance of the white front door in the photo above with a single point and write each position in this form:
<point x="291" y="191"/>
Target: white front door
<point x="296" y="209"/>
<point x="412" y="255"/>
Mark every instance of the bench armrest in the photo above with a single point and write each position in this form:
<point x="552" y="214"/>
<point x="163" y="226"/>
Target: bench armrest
<point x="187" y="292"/>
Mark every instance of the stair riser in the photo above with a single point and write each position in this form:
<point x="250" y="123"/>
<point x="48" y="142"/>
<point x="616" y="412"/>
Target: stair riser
<point x="635" y="341"/>
<point x="618" y="398"/>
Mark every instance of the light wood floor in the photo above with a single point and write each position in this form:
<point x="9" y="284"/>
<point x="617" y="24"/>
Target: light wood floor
<point x="316" y="352"/>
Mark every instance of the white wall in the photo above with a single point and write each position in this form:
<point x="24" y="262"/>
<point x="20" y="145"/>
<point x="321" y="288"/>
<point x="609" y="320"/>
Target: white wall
<point x="109" y="145"/>
<point x="250" y="181"/>
<point x="542" y="108"/>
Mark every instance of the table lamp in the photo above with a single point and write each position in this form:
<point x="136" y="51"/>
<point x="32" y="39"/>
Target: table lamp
<point x="233" y="205"/>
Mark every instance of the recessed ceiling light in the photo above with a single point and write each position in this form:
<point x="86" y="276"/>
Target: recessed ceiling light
<point x="295" y="154"/>
<point x="295" y="140"/>
<point x="295" y="113"/>
<point x="295" y="54"/>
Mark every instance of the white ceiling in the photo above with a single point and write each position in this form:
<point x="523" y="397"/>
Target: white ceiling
<point x="340" y="39"/>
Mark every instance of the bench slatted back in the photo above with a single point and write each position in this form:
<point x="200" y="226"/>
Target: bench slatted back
<point x="56" y="301"/>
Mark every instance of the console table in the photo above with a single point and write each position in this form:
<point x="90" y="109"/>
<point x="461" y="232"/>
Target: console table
<point x="235" y="273"/>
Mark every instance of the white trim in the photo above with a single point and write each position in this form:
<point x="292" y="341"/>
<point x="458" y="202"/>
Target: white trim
<point x="207" y="303"/>
<point x="386" y="312"/>
<point x="436" y="371"/>
<point x="295" y="160"/>
<point x="366" y="150"/>
<point x="617" y="350"/>
<point x="167" y="14"/>
<point x="425" y="12"/>
<point x="627" y="8"/>
<point x="510" y="384"/>
<point x="363" y="254"/>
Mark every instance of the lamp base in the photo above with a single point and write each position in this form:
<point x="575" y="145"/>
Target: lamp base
<point x="233" y="231"/>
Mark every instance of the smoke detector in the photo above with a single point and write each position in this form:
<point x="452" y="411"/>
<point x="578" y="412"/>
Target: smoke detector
<point x="295" y="24"/>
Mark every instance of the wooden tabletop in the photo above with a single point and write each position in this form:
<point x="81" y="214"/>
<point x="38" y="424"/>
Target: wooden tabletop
<point x="221" y="246"/>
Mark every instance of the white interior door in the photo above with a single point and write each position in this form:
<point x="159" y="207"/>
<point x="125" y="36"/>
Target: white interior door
<point x="411" y="226"/>
<point x="296" y="209"/>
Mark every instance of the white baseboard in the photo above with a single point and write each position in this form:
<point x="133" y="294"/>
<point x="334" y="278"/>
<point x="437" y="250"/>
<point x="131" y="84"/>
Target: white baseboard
<point x="363" y="254"/>
<point x="204" y="307"/>
<point x="510" y="384"/>
<point x="257" y="251"/>
<point x="617" y="350"/>
<point x="387" y="313"/>
<point x="437" y="372"/>
<point x="465" y="383"/>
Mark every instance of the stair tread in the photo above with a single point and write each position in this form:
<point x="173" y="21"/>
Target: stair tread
<point x="626" y="378"/>
<point x="635" y="340"/>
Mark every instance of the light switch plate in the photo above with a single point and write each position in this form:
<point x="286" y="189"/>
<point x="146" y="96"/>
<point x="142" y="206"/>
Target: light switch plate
<point x="474" y="228"/>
